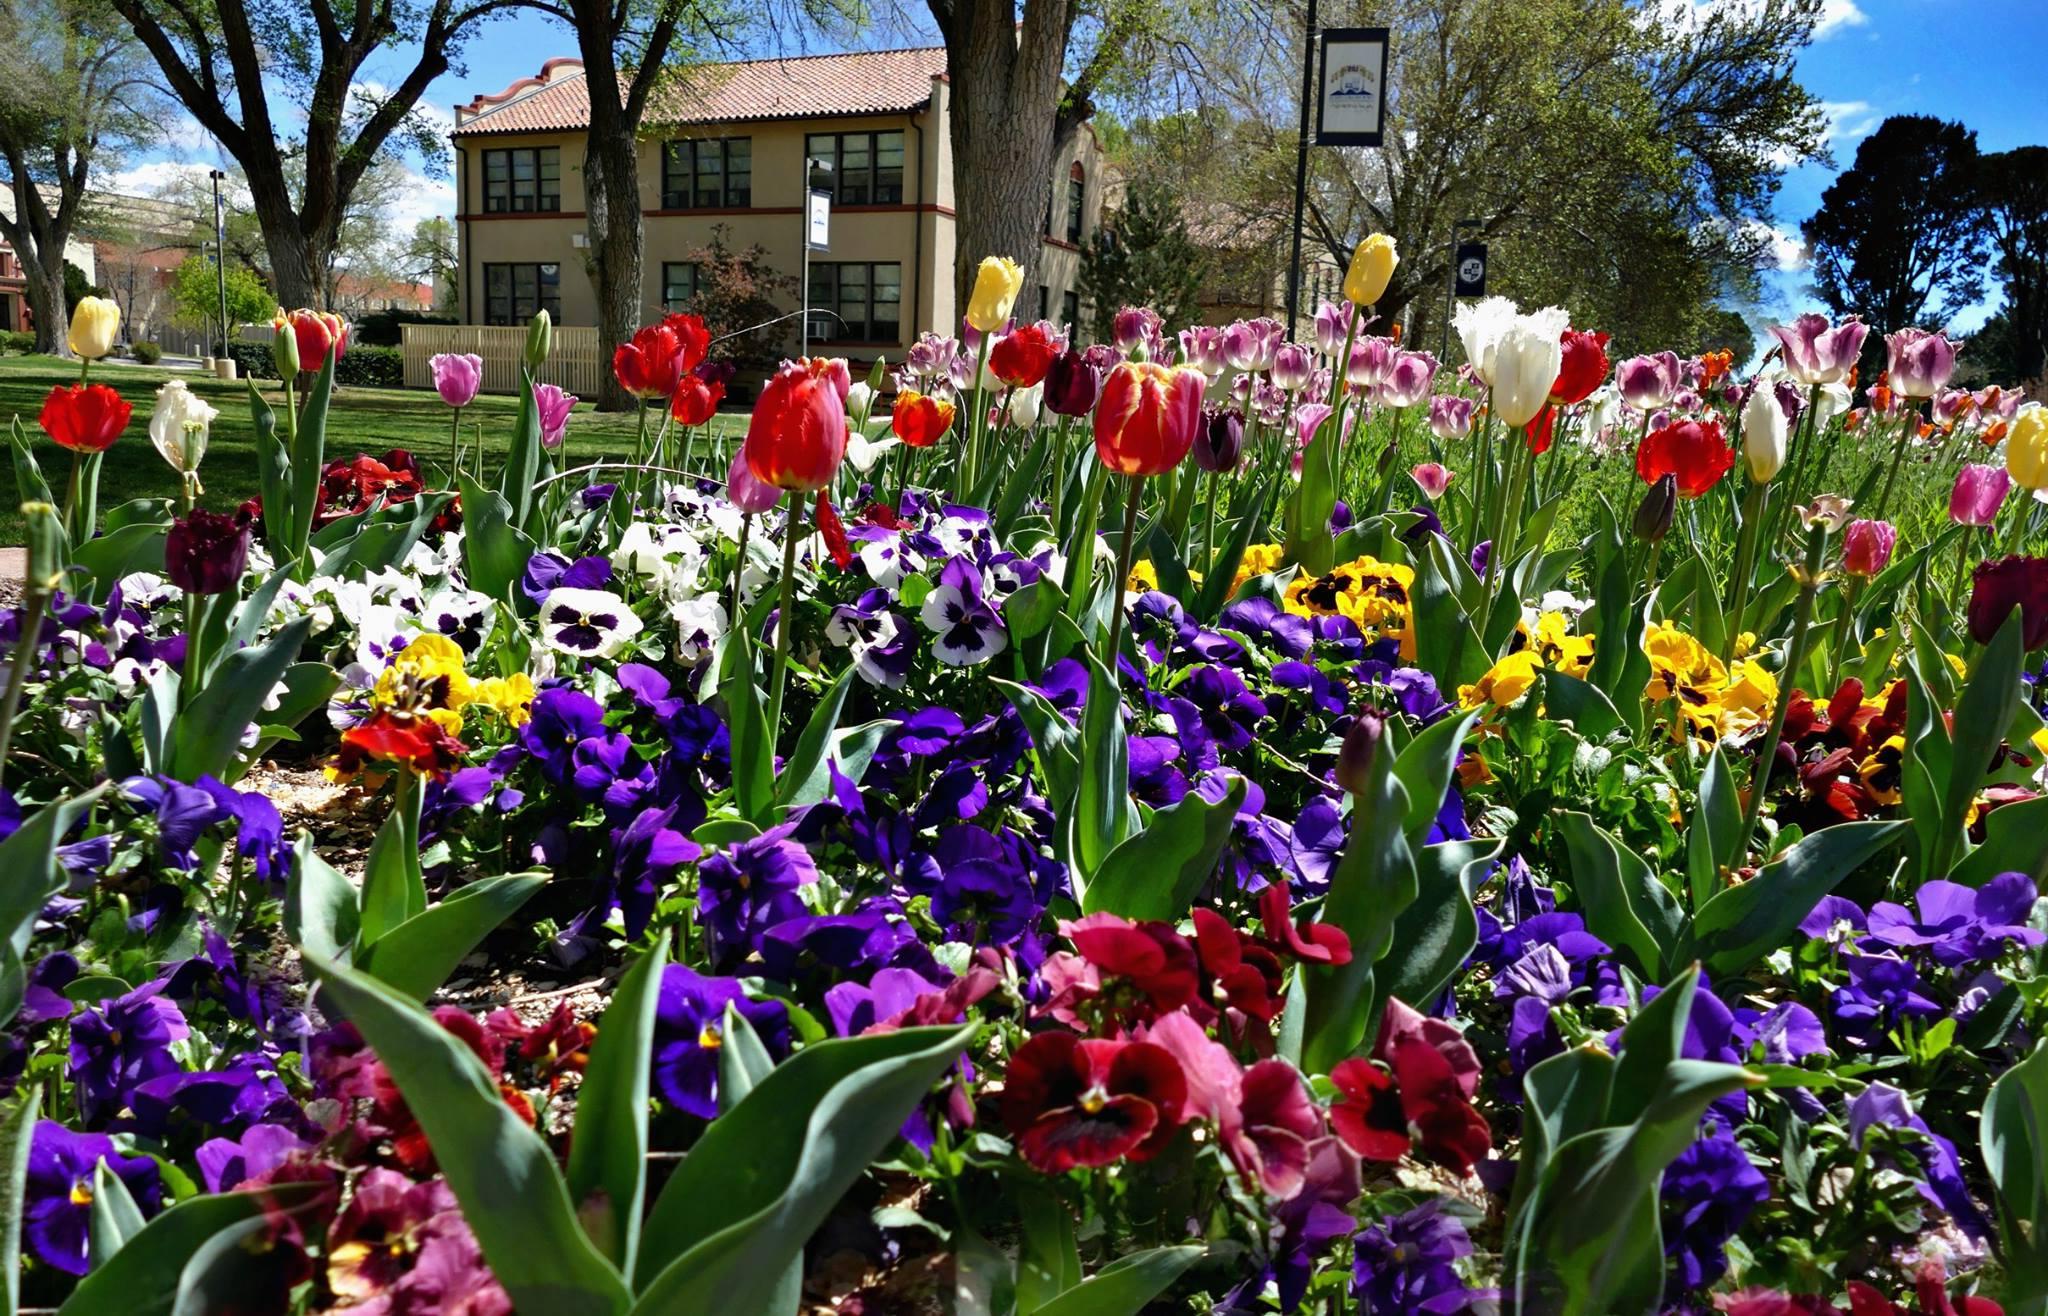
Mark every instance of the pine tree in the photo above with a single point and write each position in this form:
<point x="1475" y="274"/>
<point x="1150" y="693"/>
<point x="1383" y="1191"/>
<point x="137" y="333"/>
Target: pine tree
<point x="1142" y="255"/>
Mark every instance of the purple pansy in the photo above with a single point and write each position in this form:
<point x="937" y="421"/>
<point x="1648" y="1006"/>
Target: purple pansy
<point x="969" y="630"/>
<point x="1941" y="1172"/>
<point x="1405" y="1264"/>
<point x="1958" y="924"/>
<point x="750" y="887"/>
<point x="57" y="1204"/>
<point x="120" y="1044"/>
<point x="689" y="1029"/>
<point x="1707" y="1194"/>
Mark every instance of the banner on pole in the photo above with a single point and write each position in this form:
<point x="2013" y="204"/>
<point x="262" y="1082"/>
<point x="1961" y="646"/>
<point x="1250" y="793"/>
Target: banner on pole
<point x="818" y="221"/>
<point x="1471" y="270"/>
<point x="1351" y="104"/>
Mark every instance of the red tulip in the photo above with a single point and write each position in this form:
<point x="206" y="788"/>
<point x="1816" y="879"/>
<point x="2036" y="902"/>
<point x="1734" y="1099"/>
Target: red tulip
<point x="1584" y="368"/>
<point x="1867" y="547"/>
<point x="1075" y="1102"/>
<point x="1021" y="357"/>
<point x="919" y="419"/>
<point x="1695" y="452"/>
<point x="85" y="417"/>
<point x="692" y="338"/>
<point x="1148" y="417"/>
<point x="797" y="437"/>
<point x="834" y="531"/>
<point x="651" y="365"/>
<point x="316" y="334"/>
<point x="1542" y="431"/>
<point x="697" y="398"/>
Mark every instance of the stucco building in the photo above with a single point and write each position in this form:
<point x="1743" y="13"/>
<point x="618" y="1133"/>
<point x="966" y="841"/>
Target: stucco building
<point x="726" y="146"/>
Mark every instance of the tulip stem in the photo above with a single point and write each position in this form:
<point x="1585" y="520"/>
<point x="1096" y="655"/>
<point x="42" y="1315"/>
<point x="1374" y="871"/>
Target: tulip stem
<point x="1838" y="644"/>
<point x="1795" y="658"/>
<point x="1745" y="566"/>
<point x="25" y="646"/>
<point x="1963" y="559"/>
<point x="455" y="446"/>
<point x="785" y="618"/>
<point x="739" y="569"/>
<point x="71" y="501"/>
<point x="1209" y="527"/>
<point x="1511" y="505"/>
<point x="1123" y="573"/>
<point x="1907" y="429"/>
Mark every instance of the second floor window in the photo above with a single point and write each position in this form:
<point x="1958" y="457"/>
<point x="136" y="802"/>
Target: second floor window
<point x="522" y="181"/>
<point x="716" y="174"/>
<point x="866" y="168"/>
<point x="513" y="293"/>
<point x="867" y="299"/>
<point x="1077" y="197"/>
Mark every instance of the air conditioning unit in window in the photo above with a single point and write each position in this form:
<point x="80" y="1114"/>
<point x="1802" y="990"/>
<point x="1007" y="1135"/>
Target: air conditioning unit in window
<point x="579" y="240"/>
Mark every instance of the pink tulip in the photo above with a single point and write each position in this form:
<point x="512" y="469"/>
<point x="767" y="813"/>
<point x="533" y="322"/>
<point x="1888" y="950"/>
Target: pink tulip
<point x="1978" y="494"/>
<point x="1647" y="382"/>
<point x="1292" y="365"/>
<point x="1867" y="547"/>
<point x="1333" y="321"/>
<point x="1919" y="363"/>
<point x="1202" y="345"/>
<point x="457" y="376"/>
<point x="1407" y="379"/>
<point x="1432" y="479"/>
<point x="1249" y="344"/>
<point x="1817" y="352"/>
<point x="745" y="490"/>
<point x="1135" y="327"/>
<point x="1371" y="358"/>
<point x="1952" y="406"/>
<point x="554" y="405"/>
<point x="1450" y="416"/>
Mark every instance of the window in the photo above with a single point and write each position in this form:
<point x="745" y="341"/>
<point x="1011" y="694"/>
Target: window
<point x="1044" y="300"/>
<point x="867" y="299"/>
<point x="523" y="181"/>
<point x="1077" y="196"/>
<point x="708" y="175"/>
<point x="678" y="284"/>
<point x="865" y="169"/>
<point x="1070" y="312"/>
<point x="512" y="293"/>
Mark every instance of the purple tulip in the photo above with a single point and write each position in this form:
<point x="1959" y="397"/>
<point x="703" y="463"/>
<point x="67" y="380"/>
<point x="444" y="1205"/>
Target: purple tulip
<point x="554" y="405"/>
<point x="1292" y="366"/>
<point x="1647" y="382"/>
<point x="1202" y="345"/>
<point x="1220" y="441"/>
<point x="1450" y="416"/>
<point x="1072" y="385"/>
<point x="1978" y="494"/>
<point x="1919" y="363"/>
<point x="457" y="376"/>
<point x="1817" y="352"/>
<point x="206" y="551"/>
<point x="1408" y="378"/>
<point x="1371" y="358"/>
<point x="1953" y="406"/>
<point x="1135" y="327"/>
<point x="1334" y="320"/>
<point x="745" y="490"/>
<point x="1250" y="344"/>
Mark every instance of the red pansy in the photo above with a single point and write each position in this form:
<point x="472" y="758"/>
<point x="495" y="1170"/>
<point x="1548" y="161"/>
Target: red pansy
<point x="1076" y="1102"/>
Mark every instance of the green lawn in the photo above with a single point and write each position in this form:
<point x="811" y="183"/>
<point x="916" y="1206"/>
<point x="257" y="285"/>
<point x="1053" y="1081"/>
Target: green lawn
<point x="369" y="420"/>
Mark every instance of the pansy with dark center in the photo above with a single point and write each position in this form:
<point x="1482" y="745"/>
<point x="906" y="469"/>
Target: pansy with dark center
<point x="689" y="1030"/>
<point x="968" y="630"/>
<point x="57" y="1201"/>
<point x="586" y="622"/>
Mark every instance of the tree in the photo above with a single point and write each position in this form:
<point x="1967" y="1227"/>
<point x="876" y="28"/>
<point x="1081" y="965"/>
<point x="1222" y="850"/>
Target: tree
<point x="2015" y="195"/>
<point x="737" y="288"/>
<point x="430" y="257"/>
<point x="72" y="97"/>
<point x="1899" y="236"/>
<point x="222" y="58"/>
<point x="1143" y="256"/>
<point x="195" y="295"/>
<point x="1620" y="167"/>
<point x="1012" y="115"/>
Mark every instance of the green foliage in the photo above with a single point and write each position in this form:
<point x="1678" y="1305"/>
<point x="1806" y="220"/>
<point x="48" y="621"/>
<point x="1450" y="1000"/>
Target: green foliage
<point x="195" y="294"/>
<point x="145" y="352"/>
<point x="1142" y="255"/>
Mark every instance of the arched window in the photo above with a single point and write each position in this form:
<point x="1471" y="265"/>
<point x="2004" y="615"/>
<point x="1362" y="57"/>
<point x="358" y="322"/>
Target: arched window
<point x="1077" y="197"/>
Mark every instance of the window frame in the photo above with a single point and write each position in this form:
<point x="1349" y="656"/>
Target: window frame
<point x="829" y="286"/>
<point x="506" y="307"/>
<point x="668" y="281"/>
<point x="539" y="162"/>
<point x="839" y="182"/>
<point x="682" y="160"/>
<point x="1077" y="204"/>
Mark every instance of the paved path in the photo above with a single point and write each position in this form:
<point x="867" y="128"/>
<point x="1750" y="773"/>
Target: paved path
<point x="13" y="567"/>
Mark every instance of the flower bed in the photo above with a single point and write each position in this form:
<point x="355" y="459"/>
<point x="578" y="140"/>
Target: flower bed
<point x="1290" y="829"/>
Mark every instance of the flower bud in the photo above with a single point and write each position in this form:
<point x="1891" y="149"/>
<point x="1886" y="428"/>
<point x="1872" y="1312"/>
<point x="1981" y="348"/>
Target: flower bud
<point x="1354" y="760"/>
<point x="1867" y="547"/>
<point x="540" y="339"/>
<point x="284" y="348"/>
<point x="1221" y="441"/>
<point x="1372" y="269"/>
<point x="1659" y="506"/>
<point x="45" y="546"/>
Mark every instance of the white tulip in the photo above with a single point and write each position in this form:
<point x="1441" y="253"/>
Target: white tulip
<point x="1480" y="326"/>
<point x="1024" y="404"/>
<point x="1525" y="364"/>
<point x="179" y="425"/>
<point x="1765" y="433"/>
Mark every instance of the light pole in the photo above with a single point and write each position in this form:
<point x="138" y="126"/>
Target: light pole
<point x="1451" y="285"/>
<point x="810" y="166"/>
<point x="1308" y="84"/>
<point x="220" y="251"/>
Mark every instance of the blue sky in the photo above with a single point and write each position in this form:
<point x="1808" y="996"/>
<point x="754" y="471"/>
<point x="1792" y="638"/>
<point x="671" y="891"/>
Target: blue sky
<point x="1973" y="60"/>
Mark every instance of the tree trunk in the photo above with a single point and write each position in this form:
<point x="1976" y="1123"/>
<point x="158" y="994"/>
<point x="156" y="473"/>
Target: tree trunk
<point x="611" y="202"/>
<point x="1006" y="95"/>
<point x="45" y="289"/>
<point x="294" y="264"/>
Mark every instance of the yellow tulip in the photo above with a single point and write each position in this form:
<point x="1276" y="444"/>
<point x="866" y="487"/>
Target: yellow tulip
<point x="94" y="324"/>
<point x="2026" y="448"/>
<point x="995" y="291"/>
<point x="1372" y="268"/>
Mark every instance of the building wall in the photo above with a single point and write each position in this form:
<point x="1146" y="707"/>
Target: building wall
<point x="917" y="233"/>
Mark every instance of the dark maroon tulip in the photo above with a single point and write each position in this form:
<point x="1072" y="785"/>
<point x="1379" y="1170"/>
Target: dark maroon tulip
<point x="2002" y="584"/>
<point x="1354" y="758"/>
<point x="1220" y="442"/>
<point x="1659" y="506"/>
<point x="1072" y="384"/>
<point x="205" y="552"/>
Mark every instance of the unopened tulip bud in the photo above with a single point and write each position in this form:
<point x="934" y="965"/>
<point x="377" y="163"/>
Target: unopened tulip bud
<point x="45" y="546"/>
<point x="1655" y="512"/>
<point x="284" y="349"/>
<point x="540" y="339"/>
<point x="1354" y="760"/>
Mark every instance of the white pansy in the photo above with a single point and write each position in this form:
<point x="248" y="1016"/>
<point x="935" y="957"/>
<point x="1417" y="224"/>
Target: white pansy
<point x="700" y="623"/>
<point x="589" y="623"/>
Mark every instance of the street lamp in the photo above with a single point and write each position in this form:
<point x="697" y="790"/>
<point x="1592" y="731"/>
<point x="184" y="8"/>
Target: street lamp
<point x="811" y="165"/>
<point x="220" y="251"/>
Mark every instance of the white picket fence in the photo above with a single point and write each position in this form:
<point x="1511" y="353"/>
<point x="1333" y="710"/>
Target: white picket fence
<point x="574" y="364"/>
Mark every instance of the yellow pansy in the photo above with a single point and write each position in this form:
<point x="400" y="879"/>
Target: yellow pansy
<point x="1504" y="682"/>
<point x="510" y="697"/>
<point x="1143" y="577"/>
<point x="1559" y="648"/>
<point x="426" y="678"/>
<point x="1746" y="701"/>
<point x="1258" y="560"/>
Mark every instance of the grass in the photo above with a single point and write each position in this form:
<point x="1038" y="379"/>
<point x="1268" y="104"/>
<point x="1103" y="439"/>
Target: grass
<point x="367" y="420"/>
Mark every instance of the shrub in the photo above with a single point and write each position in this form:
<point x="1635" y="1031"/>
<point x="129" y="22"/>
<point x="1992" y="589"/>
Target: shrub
<point x="385" y="328"/>
<point x="14" y="341"/>
<point x="253" y="360"/>
<point x="146" y="352"/>
<point x="371" y="367"/>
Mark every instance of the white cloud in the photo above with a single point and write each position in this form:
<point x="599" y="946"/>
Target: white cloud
<point x="424" y="197"/>
<point x="159" y="177"/>
<point x="1786" y="250"/>
<point x="1836" y="15"/>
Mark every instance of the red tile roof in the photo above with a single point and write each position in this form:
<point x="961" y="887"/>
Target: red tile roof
<point x="797" y="87"/>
